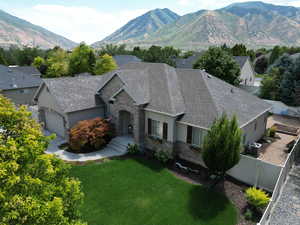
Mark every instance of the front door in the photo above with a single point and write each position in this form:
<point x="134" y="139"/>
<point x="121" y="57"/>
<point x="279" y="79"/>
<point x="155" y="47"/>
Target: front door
<point x="125" y="123"/>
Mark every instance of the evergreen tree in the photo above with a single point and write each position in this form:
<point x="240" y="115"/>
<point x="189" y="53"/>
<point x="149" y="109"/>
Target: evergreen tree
<point x="239" y="50"/>
<point x="222" y="146"/>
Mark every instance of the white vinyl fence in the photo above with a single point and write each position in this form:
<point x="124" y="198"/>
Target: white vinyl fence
<point x="249" y="170"/>
<point x="256" y="172"/>
<point x="280" y="181"/>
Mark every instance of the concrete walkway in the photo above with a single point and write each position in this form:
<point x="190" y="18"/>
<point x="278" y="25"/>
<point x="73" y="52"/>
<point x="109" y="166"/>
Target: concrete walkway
<point x="286" y="211"/>
<point x="117" y="147"/>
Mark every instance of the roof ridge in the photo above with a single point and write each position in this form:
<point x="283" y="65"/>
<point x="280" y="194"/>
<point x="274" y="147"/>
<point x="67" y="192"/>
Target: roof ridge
<point x="208" y="89"/>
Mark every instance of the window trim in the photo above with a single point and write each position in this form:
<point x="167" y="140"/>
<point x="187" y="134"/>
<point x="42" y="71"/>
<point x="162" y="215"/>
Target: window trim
<point x="152" y="129"/>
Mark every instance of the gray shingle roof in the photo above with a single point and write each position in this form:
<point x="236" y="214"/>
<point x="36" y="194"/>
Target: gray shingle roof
<point x="15" y="79"/>
<point x="207" y="97"/>
<point x="74" y="93"/>
<point x="198" y="96"/>
<point x="30" y="70"/>
<point x="241" y="60"/>
<point x="124" y="59"/>
<point x="189" y="62"/>
<point x="155" y="84"/>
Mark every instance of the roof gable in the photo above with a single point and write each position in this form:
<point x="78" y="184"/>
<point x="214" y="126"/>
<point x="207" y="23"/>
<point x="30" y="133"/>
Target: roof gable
<point x="74" y="93"/>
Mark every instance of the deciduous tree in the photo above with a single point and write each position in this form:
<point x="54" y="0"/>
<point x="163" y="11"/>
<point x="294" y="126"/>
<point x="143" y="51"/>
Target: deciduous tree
<point x="82" y="59"/>
<point x="219" y="63"/>
<point x="104" y="64"/>
<point x="35" y="188"/>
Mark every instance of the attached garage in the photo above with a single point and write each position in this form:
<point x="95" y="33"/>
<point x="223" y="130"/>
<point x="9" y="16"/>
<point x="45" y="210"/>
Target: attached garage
<point x="63" y="102"/>
<point x="55" y="123"/>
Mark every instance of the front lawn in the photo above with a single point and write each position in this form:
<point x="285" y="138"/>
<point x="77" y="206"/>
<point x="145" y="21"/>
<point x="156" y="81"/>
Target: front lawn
<point x="140" y="192"/>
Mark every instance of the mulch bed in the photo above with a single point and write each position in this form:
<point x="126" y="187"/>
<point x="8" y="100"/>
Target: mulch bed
<point x="233" y="189"/>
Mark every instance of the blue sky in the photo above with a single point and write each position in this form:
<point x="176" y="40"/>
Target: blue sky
<point x="92" y="20"/>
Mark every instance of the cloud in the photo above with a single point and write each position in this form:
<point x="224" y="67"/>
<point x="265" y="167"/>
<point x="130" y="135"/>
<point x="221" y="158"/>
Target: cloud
<point x="77" y="23"/>
<point x="216" y="4"/>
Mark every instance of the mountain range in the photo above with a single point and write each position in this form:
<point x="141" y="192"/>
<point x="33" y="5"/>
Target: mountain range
<point x="255" y="24"/>
<point x="18" y="32"/>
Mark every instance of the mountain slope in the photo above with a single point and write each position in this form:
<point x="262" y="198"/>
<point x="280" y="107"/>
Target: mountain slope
<point x="15" y="31"/>
<point x="142" y="26"/>
<point x="255" y="24"/>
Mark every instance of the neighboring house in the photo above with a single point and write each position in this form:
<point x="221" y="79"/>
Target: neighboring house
<point x="170" y="109"/>
<point x="247" y="76"/>
<point x="62" y="102"/>
<point x="188" y="63"/>
<point x="19" y="83"/>
<point x="247" y="72"/>
<point x="30" y="70"/>
<point x="124" y="59"/>
<point x="161" y="107"/>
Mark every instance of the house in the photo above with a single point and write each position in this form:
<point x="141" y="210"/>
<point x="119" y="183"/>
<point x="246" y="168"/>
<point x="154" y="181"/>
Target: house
<point x="188" y="63"/>
<point x="19" y="83"/>
<point x="247" y="76"/>
<point x="30" y="70"/>
<point x="171" y="109"/>
<point x="161" y="107"/>
<point x="124" y="59"/>
<point x="62" y="102"/>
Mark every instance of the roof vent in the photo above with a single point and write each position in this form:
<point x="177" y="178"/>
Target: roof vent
<point x="209" y="76"/>
<point x="232" y="90"/>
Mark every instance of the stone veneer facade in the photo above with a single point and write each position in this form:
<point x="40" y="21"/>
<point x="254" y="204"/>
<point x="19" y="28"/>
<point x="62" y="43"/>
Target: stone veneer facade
<point x="123" y="102"/>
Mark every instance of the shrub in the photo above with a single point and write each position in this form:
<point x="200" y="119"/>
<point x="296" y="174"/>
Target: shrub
<point x="271" y="131"/>
<point x="257" y="198"/>
<point x="132" y="149"/>
<point x="89" y="135"/>
<point x="163" y="156"/>
<point x="248" y="214"/>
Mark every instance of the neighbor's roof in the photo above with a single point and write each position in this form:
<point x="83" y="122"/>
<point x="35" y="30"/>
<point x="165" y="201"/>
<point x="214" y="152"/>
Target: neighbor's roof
<point x="30" y="70"/>
<point x="124" y="59"/>
<point x="74" y="93"/>
<point x="241" y="60"/>
<point x="189" y="62"/>
<point x="15" y="79"/>
<point x="199" y="97"/>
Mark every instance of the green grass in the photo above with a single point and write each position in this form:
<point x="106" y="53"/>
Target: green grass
<point x="140" y="192"/>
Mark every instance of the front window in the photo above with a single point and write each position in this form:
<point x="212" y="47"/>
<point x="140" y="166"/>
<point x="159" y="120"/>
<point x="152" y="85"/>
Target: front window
<point x="155" y="128"/>
<point x="196" y="137"/>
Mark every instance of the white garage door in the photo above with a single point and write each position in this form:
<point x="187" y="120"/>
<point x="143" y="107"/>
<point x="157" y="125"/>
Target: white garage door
<point x="55" y="123"/>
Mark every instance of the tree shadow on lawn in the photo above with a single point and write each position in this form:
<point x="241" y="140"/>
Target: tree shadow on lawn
<point x="206" y="204"/>
<point x="148" y="162"/>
